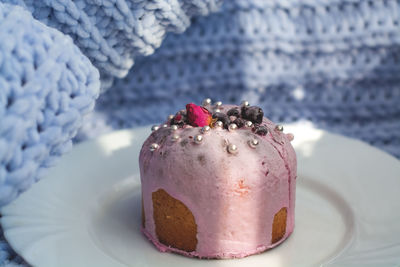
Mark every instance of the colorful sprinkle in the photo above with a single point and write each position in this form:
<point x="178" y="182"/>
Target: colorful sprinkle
<point x="198" y="139"/>
<point x="253" y="143"/>
<point x="154" y="147"/>
<point x="206" y="102"/>
<point x="232" y="149"/>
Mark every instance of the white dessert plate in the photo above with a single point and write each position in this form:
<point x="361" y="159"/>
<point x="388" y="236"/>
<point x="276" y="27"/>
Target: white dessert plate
<point x="86" y="212"/>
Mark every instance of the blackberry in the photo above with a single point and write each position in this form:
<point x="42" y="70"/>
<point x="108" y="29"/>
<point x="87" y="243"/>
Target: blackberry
<point x="222" y="117"/>
<point x="233" y="112"/>
<point x="252" y="113"/>
<point x="239" y="122"/>
<point x="262" y="130"/>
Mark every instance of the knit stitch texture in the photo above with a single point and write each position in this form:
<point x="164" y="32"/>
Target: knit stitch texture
<point x="335" y="63"/>
<point x="46" y="86"/>
<point x="113" y="32"/>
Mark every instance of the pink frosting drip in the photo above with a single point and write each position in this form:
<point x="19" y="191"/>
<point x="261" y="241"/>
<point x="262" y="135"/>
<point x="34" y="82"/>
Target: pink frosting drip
<point x="233" y="198"/>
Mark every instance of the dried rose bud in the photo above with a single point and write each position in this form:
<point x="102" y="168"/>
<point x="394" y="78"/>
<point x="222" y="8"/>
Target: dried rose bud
<point x="198" y="116"/>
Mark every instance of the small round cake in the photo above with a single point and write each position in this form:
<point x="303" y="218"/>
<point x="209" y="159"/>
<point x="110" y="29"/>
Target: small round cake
<point x="218" y="181"/>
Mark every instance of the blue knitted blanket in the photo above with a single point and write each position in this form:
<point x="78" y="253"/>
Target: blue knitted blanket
<point x="335" y="63"/>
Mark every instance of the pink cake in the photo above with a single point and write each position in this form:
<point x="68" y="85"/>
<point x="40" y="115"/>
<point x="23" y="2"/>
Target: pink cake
<point x="218" y="181"/>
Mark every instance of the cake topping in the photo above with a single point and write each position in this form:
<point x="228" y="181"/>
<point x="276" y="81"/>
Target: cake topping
<point x="253" y="143"/>
<point x="170" y="117"/>
<point x="261" y="130"/>
<point x="198" y="139"/>
<point x="245" y="103"/>
<point x="233" y="118"/>
<point x="239" y="122"/>
<point x="248" y="124"/>
<point x="155" y="127"/>
<point x="232" y="149"/>
<point x="175" y="137"/>
<point x="232" y="127"/>
<point x="218" y="104"/>
<point x="233" y="112"/>
<point x="205" y="129"/>
<point x="218" y="124"/>
<point x="154" y="147"/>
<point x="198" y="116"/>
<point x="179" y="118"/>
<point x="252" y="113"/>
<point x="206" y="102"/>
<point x="222" y="117"/>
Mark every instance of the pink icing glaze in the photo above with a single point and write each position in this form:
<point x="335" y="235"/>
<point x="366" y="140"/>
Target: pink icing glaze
<point x="233" y="197"/>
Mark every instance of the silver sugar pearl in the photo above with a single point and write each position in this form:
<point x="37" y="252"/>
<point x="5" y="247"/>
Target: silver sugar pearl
<point x="170" y="117"/>
<point x="279" y="128"/>
<point x="206" y="102"/>
<point x="248" y="124"/>
<point x="218" y="104"/>
<point x="232" y="127"/>
<point x="205" y="129"/>
<point x="154" y="147"/>
<point x="253" y="143"/>
<point x="155" y="128"/>
<point x="219" y="124"/>
<point x="198" y="139"/>
<point x="175" y="138"/>
<point x="245" y="103"/>
<point x="232" y="149"/>
<point x="174" y="127"/>
<point x="217" y="110"/>
<point x="165" y="125"/>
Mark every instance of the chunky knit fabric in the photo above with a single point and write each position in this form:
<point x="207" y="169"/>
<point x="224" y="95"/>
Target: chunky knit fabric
<point x="113" y="32"/>
<point x="46" y="86"/>
<point x="333" y="62"/>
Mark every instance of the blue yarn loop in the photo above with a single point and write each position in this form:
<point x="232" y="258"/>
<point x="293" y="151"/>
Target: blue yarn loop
<point x="111" y="33"/>
<point x="46" y="86"/>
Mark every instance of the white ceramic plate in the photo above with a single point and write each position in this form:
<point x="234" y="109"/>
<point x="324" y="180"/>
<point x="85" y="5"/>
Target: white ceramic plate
<point x="86" y="212"/>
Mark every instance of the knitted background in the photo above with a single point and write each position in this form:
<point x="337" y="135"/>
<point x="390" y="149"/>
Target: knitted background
<point x="113" y="32"/>
<point x="46" y="86"/>
<point x="333" y="62"/>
